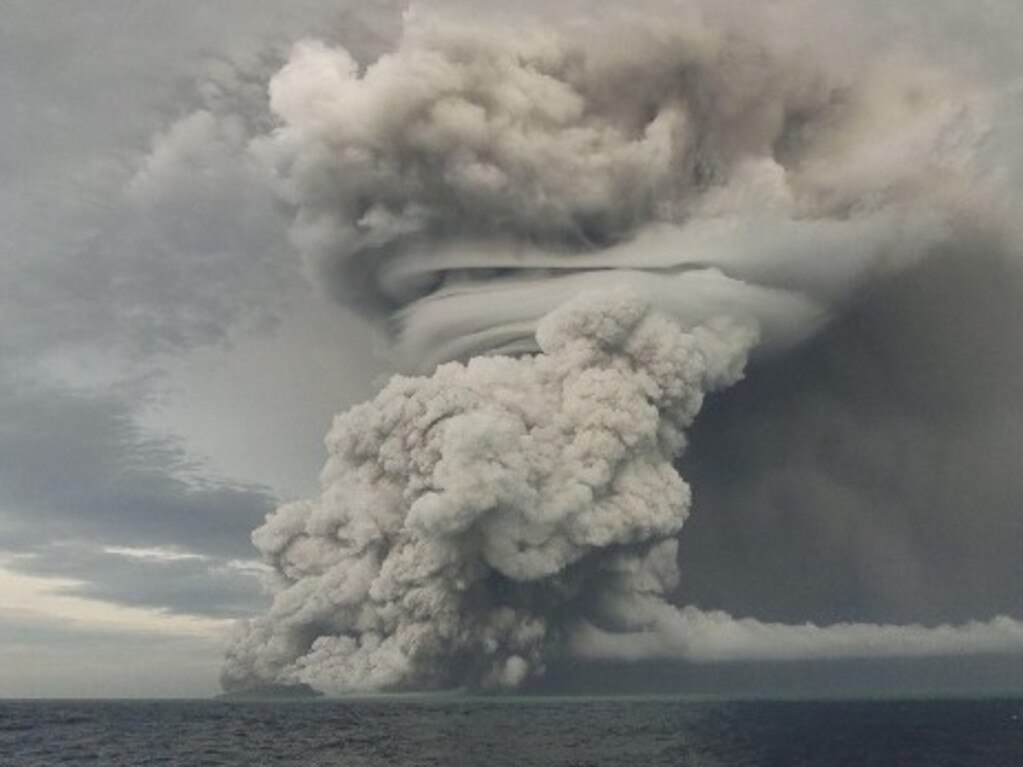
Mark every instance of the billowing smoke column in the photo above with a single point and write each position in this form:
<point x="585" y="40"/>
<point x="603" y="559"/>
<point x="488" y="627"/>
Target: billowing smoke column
<point x="481" y="174"/>
<point x="470" y="517"/>
<point x="588" y="227"/>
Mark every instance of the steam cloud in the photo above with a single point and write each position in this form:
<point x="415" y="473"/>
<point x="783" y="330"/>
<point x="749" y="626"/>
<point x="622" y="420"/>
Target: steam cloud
<point x="587" y="226"/>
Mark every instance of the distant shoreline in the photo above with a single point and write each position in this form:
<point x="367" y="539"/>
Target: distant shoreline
<point x="272" y="692"/>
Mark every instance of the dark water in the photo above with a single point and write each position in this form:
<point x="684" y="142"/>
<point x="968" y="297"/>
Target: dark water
<point x="514" y="731"/>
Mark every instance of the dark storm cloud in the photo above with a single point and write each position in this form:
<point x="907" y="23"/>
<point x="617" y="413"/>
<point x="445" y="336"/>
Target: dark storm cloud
<point x="77" y="477"/>
<point x="177" y="583"/>
<point x="873" y="474"/>
<point x="75" y="466"/>
<point x="862" y="678"/>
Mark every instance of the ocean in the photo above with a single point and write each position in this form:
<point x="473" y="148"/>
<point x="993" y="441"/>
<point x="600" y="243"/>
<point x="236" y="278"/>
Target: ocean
<point x="515" y="731"/>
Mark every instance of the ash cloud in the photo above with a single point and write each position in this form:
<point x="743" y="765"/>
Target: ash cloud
<point x="466" y="183"/>
<point x="575" y="232"/>
<point x="470" y="518"/>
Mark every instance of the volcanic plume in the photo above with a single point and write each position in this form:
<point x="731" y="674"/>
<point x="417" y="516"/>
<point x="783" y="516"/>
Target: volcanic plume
<point x="574" y="231"/>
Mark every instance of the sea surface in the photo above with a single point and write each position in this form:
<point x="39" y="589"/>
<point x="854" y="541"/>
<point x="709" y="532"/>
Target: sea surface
<point x="514" y="731"/>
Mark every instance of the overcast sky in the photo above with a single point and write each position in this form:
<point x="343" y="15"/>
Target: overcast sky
<point x="167" y="373"/>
